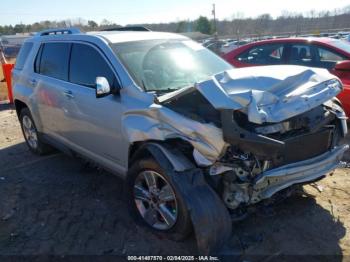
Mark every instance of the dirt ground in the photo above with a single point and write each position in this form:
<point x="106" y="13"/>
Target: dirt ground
<point x="56" y="205"/>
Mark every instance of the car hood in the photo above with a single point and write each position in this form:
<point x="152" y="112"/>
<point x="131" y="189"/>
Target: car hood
<point x="268" y="93"/>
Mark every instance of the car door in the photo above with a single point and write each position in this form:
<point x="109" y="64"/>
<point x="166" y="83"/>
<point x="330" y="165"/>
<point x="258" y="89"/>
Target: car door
<point x="93" y="123"/>
<point x="50" y="79"/>
<point x="265" y="54"/>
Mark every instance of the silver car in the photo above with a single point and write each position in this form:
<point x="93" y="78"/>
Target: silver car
<point x="196" y="140"/>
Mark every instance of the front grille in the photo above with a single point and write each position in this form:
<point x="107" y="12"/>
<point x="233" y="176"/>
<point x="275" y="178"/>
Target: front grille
<point x="306" y="146"/>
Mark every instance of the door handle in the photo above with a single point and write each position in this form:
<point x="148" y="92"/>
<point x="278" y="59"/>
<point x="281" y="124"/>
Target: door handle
<point x="33" y="82"/>
<point x="68" y="94"/>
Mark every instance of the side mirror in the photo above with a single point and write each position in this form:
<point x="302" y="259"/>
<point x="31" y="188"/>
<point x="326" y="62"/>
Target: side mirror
<point x="102" y="87"/>
<point x="343" y="66"/>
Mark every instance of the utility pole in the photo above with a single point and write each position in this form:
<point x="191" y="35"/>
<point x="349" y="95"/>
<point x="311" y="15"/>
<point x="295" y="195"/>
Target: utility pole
<point x="213" y="13"/>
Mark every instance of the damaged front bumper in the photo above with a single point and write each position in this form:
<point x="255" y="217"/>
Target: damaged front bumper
<point x="272" y="181"/>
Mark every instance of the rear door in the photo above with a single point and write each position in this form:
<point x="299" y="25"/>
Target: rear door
<point x="50" y="81"/>
<point x="93" y="123"/>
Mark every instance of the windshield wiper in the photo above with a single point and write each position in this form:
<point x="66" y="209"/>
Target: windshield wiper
<point x="159" y="91"/>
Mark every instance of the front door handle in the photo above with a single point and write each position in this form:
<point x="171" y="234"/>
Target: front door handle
<point x="68" y="94"/>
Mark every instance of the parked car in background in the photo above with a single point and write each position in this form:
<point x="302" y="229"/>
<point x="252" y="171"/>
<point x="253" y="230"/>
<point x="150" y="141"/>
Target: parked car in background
<point x="223" y="46"/>
<point x="331" y="54"/>
<point x="11" y="51"/>
<point x="231" y="45"/>
<point x="215" y="46"/>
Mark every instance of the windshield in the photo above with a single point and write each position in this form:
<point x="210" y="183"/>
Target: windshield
<point x="168" y="65"/>
<point x="343" y="45"/>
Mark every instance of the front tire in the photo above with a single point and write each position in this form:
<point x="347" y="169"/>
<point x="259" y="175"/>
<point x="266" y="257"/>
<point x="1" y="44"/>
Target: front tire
<point x="155" y="202"/>
<point x="31" y="135"/>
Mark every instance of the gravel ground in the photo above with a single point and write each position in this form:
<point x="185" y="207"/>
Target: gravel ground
<point x="55" y="205"/>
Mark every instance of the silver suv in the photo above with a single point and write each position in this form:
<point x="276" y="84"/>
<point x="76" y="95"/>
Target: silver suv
<point x="196" y="140"/>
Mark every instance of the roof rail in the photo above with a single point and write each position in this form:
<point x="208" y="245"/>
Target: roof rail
<point x="128" y="28"/>
<point x="59" y="31"/>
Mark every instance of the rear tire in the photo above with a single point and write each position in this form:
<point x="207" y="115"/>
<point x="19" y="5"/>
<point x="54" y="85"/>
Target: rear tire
<point x="31" y="134"/>
<point x="169" y="218"/>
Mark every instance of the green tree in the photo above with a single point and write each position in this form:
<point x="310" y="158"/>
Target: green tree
<point x="92" y="24"/>
<point x="203" y="25"/>
<point x="181" y="27"/>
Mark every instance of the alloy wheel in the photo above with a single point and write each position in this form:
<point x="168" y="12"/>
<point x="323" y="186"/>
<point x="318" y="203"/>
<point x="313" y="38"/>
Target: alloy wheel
<point x="155" y="200"/>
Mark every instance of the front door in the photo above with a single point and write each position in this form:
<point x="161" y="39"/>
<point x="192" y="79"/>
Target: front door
<point x="94" y="124"/>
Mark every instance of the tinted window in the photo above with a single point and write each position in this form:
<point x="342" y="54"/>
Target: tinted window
<point x="313" y="56"/>
<point x="263" y="55"/>
<point x="301" y="54"/>
<point x="327" y="55"/>
<point x="54" y="60"/>
<point x="23" y="54"/>
<point x="38" y="59"/>
<point x="327" y="58"/>
<point x="87" y="64"/>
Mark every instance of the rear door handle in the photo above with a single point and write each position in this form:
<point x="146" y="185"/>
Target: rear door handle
<point x="68" y="94"/>
<point x="33" y="82"/>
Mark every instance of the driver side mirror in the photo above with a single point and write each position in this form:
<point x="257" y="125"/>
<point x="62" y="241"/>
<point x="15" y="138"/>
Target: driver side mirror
<point x="342" y="66"/>
<point x="103" y="88"/>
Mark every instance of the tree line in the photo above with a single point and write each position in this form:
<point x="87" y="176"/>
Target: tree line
<point x="238" y="25"/>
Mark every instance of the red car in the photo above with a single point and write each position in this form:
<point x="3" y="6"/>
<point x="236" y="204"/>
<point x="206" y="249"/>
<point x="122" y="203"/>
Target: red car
<point x="328" y="53"/>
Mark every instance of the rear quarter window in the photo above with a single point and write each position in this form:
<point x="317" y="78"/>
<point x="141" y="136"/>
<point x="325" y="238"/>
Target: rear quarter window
<point x="23" y="55"/>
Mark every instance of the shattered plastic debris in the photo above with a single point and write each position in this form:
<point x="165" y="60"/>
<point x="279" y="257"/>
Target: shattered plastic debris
<point x="318" y="187"/>
<point x="344" y="164"/>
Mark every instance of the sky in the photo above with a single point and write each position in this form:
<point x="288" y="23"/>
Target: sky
<point x="151" y="11"/>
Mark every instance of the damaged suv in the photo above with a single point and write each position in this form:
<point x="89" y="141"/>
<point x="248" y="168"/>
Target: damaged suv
<point x="196" y="140"/>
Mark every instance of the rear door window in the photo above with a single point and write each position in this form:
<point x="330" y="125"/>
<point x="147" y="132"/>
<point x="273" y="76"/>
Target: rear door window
<point x="301" y="54"/>
<point x="86" y="64"/>
<point x="23" y="55"/>
<point x="268" y="54"/>
<point x="54" y="60"/>
<point x="326" y="58"/>
<point x="313" y="56"/>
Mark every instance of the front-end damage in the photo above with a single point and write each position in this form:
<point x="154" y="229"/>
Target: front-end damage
<point x="250" y="135"/>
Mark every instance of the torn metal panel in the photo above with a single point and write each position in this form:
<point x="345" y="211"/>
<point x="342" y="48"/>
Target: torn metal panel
<point x="277" y="179"/>
<point x="210" y="218"/>
<point x="271" y="93"/>
<point x="156" y="122"/>
<point x="265" y="94"/>
<point x="272" y="181"/>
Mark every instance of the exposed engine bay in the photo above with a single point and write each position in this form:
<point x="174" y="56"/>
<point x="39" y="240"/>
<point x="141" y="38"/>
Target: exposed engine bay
<point x="253" y="132"/>
<point x="297" y="139"/>
<point x="255" y="149"/>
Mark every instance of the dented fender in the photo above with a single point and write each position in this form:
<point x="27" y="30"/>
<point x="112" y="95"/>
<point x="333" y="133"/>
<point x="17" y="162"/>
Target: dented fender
<point x="171" y="158"/>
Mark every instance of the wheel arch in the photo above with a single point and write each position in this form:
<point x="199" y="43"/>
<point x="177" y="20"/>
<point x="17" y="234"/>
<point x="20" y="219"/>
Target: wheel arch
<point x="210" y="218"/>
<point x="163" y="153"/>
<point x="19" y="105"/>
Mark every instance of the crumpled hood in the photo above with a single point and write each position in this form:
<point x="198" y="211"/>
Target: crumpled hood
<point x="270" y="93"/>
